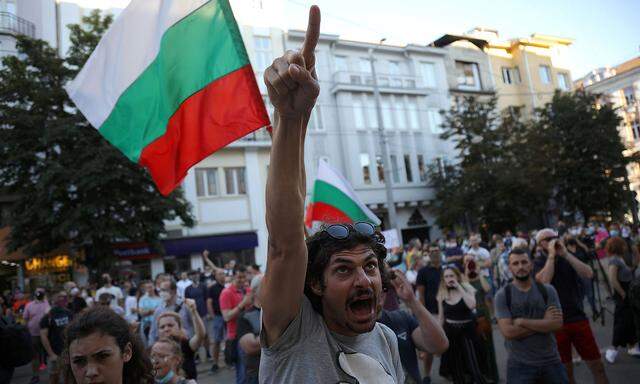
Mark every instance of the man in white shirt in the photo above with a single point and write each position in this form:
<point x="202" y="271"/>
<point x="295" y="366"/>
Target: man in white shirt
<point x="482" y="255"/>
<point x="115" y="292"/>
<point x="182" y="284"/>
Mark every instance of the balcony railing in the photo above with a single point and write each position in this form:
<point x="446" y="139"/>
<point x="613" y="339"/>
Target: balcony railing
<point x="257" y="136"/>
<point x="384" y="80"/>
<point x="14" y="25"/>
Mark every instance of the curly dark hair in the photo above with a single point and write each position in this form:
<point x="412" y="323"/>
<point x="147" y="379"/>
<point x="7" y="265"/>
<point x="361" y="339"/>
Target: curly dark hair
<point x="321" y="246"/>
<point x="105" y="321"/>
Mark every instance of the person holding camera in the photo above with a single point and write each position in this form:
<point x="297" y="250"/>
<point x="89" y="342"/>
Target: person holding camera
<point x="465" y="360"/>
<point x="556" y="266"/>
<point x="483" y="315"/>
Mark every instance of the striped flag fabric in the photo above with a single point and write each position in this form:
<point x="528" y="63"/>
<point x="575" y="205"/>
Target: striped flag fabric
<point x="170" y="83"/>
<point x="333" y="200"/>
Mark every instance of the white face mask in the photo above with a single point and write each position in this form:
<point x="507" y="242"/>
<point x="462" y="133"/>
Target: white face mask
<point x="165" y="296"/>
<point x="74" y="291"/>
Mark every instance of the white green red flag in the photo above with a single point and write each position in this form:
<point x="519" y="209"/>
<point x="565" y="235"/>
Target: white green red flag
<point x="169" y="84"/>
<point x="334" y="201"/>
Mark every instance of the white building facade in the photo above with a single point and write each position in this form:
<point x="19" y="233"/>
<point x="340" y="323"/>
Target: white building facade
<point x="344" y="124"/>
<point x="227" y="189"/>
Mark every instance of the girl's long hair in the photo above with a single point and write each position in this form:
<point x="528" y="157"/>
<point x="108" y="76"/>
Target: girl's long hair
<point x="443" y="291"/>
<point x="105" y="321"/>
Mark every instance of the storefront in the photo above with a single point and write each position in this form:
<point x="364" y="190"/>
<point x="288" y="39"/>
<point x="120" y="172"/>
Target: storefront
<point x="133" y="261"/>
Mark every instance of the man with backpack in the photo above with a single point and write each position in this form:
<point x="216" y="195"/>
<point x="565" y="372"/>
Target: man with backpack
<point x="528" y="314"/>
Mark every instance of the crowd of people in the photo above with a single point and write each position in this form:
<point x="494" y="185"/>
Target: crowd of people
<point x="176" y="321"/>
<point x="337" y="305"/>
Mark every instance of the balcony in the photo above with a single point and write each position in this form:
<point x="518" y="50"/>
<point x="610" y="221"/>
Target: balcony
<point x="363" y="82"/>
<point x="13" y="25"/>
<point x="259" y="138"/>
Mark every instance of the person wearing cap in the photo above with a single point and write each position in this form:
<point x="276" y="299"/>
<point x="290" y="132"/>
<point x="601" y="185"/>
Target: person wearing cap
<point x="320" y="298"/>
<point x="34" y="311"/>
<point x="556" y="266"/>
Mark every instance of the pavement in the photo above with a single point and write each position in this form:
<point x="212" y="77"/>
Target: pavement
<point x="623" y="371"/>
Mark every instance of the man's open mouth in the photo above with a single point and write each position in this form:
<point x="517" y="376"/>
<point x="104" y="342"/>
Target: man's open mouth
<point x="362" y="308"/>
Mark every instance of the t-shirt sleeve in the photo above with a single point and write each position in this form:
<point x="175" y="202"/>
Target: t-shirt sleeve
<point x="412" y="322"/>
<point x="305" y="322"/>
<point x="244" y="327"/>
<point x="502" y="311"/>
<point x="225" y="301"/>
<point x="552" y="296"/>
<point x="44" y="322"/>
<point x="422" y="278"/>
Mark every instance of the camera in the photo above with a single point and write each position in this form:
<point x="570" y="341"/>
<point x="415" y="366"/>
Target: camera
<point x="473" y="269"/>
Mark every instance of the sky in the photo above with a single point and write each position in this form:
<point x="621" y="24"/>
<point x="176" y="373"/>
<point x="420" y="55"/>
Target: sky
<point x="605" y="32"/>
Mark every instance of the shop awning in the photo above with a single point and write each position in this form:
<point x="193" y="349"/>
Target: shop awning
<point x="214" y="243"/>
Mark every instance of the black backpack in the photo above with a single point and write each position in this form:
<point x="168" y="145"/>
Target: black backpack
<point x="541" y="288"/>
<point x="15" y="337"/>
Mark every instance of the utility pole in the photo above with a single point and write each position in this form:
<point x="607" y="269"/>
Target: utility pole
<point x="382" y="139"/>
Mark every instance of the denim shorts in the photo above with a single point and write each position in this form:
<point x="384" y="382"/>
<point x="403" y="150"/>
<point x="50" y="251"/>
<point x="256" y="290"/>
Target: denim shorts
<point x="520" y="373"/>
<point x="216" y="328"/>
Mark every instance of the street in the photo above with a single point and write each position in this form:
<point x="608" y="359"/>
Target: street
<point x="625" y="368"/>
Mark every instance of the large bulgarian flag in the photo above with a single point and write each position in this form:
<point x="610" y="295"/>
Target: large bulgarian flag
<point x="334" y="200"/>
<point x="169" y="84"/>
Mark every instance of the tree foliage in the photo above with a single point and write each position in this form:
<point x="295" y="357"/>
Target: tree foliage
<point x="510" y="172"/>
<point x="73" y="188"/>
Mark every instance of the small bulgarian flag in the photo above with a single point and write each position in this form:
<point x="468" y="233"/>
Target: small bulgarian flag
<point x="334" y="201"/>
<point x="169" y="84"/>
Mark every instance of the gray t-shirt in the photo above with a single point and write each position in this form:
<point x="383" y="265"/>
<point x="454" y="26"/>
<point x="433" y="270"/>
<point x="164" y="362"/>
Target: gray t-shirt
<point x="538" y="349"/>
<point x="308" y="352"/>
<point x="625" y="274"/>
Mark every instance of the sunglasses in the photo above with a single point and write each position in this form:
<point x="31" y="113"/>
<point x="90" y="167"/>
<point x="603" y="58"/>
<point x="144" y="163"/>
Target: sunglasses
<point x="342" y="231"/>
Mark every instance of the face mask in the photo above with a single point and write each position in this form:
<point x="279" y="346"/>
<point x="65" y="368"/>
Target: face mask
<point x="626" y="232"/>
<point x="39" y="295"/>
<point x="165" y="296"/>
<point x="590" y="231"/>
<point x="614" y="233"/>
<point x="74" y="291"/>
<point x="84" y="294"/>
<point x="166" y="378"/>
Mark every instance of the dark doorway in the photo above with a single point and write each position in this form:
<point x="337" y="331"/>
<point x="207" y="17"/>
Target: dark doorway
<point x="421" y="233"/>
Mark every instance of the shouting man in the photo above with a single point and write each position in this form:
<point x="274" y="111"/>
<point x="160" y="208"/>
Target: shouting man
<point x="320" y="299"/>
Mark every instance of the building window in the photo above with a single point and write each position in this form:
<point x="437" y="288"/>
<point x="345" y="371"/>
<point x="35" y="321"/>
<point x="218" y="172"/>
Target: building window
<point x="407" y="168"/>
<point x="468" y="75"/>
<point x="8" y="6"/>
<point x="372" y="115"/>
<point x="315" y="120"/>
<point x="435" y="121"/>
<point x="263" y="52"/>
<point x="380" y="166"/>
<point x="387" y="115"/>
<point x="206" y="182"/>
<point x="401" y="114"/>
<point x="563" y="81"/>
<point x="511" y="75"/>
<point x="428" y="71"/>
<point x="341" y="64"/>
<point x="422" y="169"/>
<point x="269" y="107"/>
<point x="365" y="65"/>
<point x="235" y="181"/>
<point x="394" y="72"/>
<point x="412" y="111"/>
<point x="545" y="74"/>
<point x="366" y="168"/>
<point x="629" y="96"/>
<point x="394" y="168"/>
<point x="358" y="115"/>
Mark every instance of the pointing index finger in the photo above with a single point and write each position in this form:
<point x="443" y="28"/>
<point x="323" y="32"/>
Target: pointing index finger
<point x="312" y="35"/>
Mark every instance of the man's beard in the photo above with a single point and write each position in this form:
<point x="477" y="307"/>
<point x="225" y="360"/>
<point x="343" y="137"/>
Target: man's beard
<point x="523" y="278"/>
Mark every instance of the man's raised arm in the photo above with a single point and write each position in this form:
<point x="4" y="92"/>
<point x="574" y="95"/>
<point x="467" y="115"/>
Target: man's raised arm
<point x="293" y="89"/>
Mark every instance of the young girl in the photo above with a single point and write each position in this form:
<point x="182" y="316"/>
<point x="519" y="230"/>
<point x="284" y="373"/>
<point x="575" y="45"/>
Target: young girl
<point x="99" y="347"/>
<point x="465" y="360"/>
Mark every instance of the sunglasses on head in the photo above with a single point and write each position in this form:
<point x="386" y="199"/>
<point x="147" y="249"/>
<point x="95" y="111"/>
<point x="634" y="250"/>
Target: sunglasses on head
<point x="341" y="231"/>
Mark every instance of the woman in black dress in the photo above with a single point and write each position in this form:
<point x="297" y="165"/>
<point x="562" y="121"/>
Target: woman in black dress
<point x="465" y="361"/>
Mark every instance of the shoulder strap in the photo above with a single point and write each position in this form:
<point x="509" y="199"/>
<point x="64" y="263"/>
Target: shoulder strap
<point x="507" y="296"/>
<point x="543" y="291"/>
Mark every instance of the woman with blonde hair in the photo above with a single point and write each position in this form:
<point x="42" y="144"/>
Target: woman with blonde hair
<point x="465" y="361"/>
<point x="166" y="357"/>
